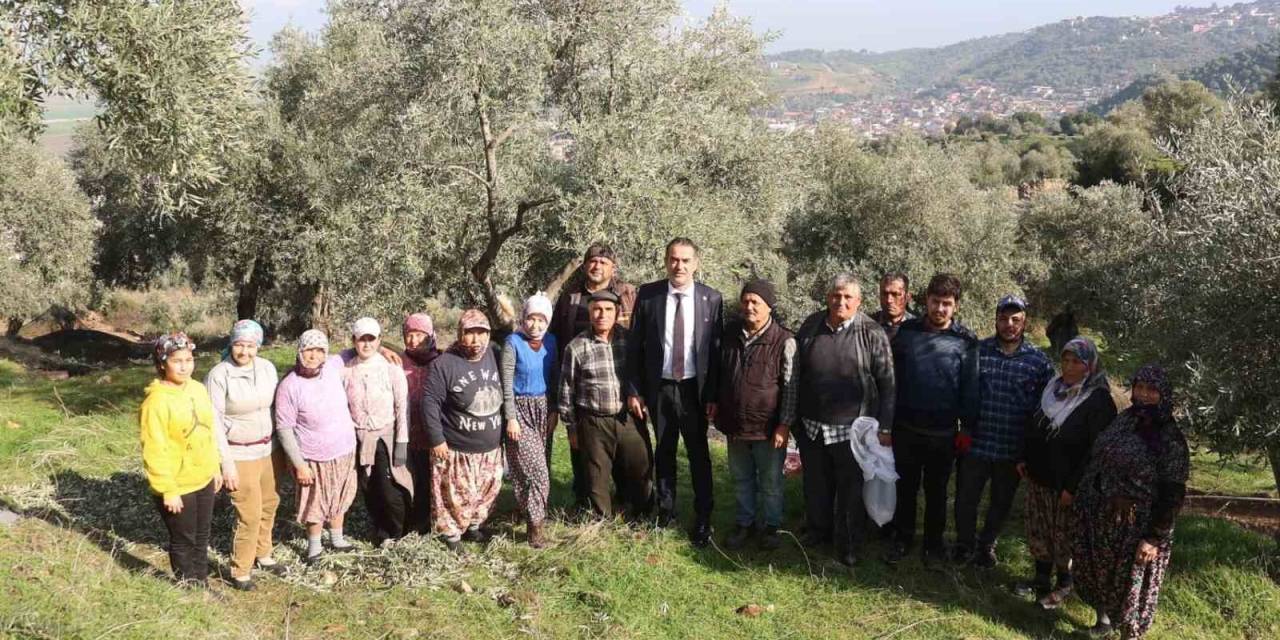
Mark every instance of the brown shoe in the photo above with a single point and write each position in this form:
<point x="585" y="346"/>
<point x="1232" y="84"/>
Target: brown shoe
<point x="535" y="536"/>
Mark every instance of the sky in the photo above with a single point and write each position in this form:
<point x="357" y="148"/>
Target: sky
<point x="877" y="25"/>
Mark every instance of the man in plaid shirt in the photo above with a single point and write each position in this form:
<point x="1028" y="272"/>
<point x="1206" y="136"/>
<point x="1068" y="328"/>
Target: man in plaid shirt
<point x="1011" y="375"/>
<point x="593" y="408"/>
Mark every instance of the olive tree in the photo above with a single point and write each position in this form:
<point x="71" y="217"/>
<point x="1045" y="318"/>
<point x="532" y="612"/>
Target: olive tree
<point x="1211" y="286"/>
<point x="1090" y="240"/>
<point x="469" y="150"/>
<point x="46" y="234"/>
<point x="170" y="75"/>
<point x="908" y="207"/>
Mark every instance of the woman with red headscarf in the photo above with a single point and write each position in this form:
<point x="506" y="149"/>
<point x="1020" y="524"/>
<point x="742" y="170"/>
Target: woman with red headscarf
<point x="420" y="351"/>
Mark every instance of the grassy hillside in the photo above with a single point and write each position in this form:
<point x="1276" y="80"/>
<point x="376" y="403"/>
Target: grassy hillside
<point x="1247" y="71"/>
<point x="87" y="563"/>
<point x="1070" y="54"/>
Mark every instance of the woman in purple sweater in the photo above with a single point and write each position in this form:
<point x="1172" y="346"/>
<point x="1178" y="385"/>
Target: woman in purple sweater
<point x="314" y="426"/>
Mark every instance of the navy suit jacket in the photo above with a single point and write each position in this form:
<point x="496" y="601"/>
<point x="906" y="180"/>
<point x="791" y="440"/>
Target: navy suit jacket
<point x="644" y="342"/>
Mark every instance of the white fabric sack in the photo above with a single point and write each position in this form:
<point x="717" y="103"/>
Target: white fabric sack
<point x="879" y="475"/>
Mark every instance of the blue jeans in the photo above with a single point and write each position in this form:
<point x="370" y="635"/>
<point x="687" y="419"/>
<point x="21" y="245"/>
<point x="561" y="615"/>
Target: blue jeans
<point x="757" y="474"/>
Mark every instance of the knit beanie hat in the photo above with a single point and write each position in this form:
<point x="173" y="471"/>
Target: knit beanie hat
<point x="762" y="288"/>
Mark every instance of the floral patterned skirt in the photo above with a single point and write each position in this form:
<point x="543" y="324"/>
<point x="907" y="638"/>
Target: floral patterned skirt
<point x="464" y="487"/>
<point x="1049" y="526"/>
<point x="1106" y="575"/>
<point x="527" y="457"/>
<point x="332" y="490"/>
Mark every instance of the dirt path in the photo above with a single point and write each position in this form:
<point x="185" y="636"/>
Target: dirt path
<point x="1256" y="514"/>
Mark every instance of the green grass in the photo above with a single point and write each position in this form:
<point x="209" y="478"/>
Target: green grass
<point x="88" y="562"/>
<point x="1244" y="475"/>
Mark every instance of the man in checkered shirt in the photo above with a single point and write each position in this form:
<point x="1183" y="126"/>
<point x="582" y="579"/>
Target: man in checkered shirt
<point x="1011" y="375"/>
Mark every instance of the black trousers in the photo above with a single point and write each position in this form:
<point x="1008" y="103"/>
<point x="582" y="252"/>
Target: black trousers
<point x="971" y="481"/>
<point x="679" y="414"/>
<point x="419" y="519"/>
<point x="616" y="447"/>
<point x="577" y="462"/>
<point x="922" y="460"/>
<point x="189" y="534"/>
<point x="388" y="503"/>
<point x="832" y="482"/>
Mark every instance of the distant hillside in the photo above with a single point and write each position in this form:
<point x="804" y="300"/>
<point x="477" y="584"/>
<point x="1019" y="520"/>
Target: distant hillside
<point x="1247" y="71"/>
<point x="1072" y="55"/>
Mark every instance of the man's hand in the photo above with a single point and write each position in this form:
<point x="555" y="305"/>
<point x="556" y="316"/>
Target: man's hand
<point x="440" y="452"/>
<point x="573" y="439"/>
<point x="173" y="505"/>
<point x="513" y="430"/>
<point x="553" y="419"/>
<point x="780" y="436"/>
<point x="1021" y="468"/>
<point x="886" y="439"/>
<point x="303" y="476"/>
<point x="712" y="411"/>
<point x="217" y="482"/>
<point x="636" y="407"/>
<point x="391" y="356"/>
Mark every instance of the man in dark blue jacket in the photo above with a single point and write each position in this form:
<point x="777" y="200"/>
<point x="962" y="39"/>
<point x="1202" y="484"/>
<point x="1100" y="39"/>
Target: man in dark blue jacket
<point x="935" y="361"/>
<point x="674" y="362"/>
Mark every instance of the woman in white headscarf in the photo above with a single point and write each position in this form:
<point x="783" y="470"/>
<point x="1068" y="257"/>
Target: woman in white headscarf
<point x="529" y="377"/>
<point x="1075" y="407"/>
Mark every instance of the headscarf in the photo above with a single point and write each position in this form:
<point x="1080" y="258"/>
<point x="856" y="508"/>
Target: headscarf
<point x="471" y="319"/>
<point x="1150" y="418"/>
<point x="243" y="331"/>
<point x="425" y="352"/>
<point x="537" y="303"/>
<point x="310" y="339"/>
<point x="1060" y="399"/>
<point x="246" y="331"/>
<point x="166" y="345"/>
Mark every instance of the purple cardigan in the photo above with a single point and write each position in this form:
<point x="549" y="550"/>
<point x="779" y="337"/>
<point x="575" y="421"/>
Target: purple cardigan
<point x="312" y="418"/>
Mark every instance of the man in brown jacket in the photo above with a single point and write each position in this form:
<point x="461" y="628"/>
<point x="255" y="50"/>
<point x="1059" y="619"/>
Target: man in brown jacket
<point x="570" y="318"/>
<point x="756" y="361"/>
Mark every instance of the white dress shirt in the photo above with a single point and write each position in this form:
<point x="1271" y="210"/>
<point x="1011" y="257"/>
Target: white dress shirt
<point x="687" y="311"/>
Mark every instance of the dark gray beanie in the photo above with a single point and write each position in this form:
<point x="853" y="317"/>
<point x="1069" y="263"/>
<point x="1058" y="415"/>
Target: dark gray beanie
<point x="762" y="288"/>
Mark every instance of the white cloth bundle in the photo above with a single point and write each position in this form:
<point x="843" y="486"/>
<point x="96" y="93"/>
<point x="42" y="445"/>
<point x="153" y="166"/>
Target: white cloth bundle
<point x="879" y="472"/>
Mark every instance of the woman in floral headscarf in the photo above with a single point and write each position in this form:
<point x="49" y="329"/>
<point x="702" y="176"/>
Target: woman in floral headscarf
<point x="529" y="367"/>
<point x="180" y="456"/>
<point x="242" y="388"/>
<point x="1074" y="408"/>
<point x="1128" y="497"/>
<point x="315" y="429"/>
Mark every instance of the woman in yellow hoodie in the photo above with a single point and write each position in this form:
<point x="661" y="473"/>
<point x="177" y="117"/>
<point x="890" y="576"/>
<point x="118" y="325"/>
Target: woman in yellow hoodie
<point x="180" y="455"/>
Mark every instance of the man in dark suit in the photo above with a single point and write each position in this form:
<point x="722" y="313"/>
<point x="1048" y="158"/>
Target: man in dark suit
<point x="674" y="361"/>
